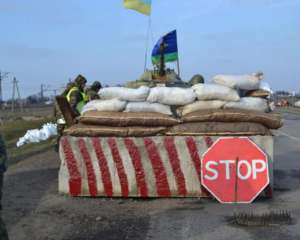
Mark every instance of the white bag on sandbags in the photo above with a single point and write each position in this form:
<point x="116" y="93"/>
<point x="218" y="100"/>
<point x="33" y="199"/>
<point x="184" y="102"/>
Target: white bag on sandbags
<point x="200" y="105"/>
<point x="265" y="86"/>
<point x="171" y="95"/>
<point x="148" y="107"/>
<point x="215" y="92"/>
<point x="249" y="103"/>
<point x="112" y="105"/>
<point x="244" y="82"/>
<point x="125" y="94"/>
<point x="297" y="104"/>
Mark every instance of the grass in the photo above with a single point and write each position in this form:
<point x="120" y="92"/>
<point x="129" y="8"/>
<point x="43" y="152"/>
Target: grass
<point x="289" y="110"/>
<point x="13" y="130"/>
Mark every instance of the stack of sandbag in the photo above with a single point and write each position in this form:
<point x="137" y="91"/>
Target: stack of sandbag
<point x="253" y="91"/>
<point x="205" y="109"/>
<point x="222" y="122"/>
<point x="121" y="124"/>
<point x="297" y="104"/>
<point x="209" y="96"/>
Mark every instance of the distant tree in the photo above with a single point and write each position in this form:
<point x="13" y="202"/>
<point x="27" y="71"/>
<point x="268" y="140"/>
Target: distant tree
<point x="282" y="93"/>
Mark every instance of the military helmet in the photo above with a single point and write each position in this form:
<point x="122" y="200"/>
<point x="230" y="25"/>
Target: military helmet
<point x="80" y="80"/>
<point x="196" y="79"/>
<point x="96" y="85"/>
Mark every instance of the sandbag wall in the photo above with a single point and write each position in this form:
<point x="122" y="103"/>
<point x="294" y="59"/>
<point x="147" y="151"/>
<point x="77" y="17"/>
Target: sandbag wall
<point x="230" y="105"/>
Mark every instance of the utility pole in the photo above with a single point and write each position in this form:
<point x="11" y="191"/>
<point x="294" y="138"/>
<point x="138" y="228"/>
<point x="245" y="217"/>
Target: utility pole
<point x="42" y="91"/>
<point x="3" y="75"/>
<point x="16" y="89"/>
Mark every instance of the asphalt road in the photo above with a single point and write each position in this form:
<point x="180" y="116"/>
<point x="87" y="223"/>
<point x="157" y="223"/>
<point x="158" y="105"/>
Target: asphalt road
<point x="34" y="210"/>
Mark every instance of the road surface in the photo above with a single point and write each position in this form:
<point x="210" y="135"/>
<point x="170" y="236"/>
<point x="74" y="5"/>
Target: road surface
<point x="34" y="210"/>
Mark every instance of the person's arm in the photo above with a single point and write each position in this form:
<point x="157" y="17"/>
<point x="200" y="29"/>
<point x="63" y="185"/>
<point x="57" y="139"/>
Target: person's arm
<point x="3" y="155"/>
<point x="75" y="98"/>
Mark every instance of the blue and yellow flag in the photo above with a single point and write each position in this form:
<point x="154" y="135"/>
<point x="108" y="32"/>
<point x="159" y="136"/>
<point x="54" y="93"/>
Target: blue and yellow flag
<point x="142" y="6"/>
<point x="170" y="49"/>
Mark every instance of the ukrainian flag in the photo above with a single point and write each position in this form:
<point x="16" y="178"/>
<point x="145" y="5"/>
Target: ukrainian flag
<point x="142" y="6"/>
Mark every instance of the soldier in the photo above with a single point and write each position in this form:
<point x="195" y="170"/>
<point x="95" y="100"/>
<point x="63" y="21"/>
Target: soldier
<point x="76" y="96"/>
<point x="92" y="92"/>
<point x="3" y="158"/>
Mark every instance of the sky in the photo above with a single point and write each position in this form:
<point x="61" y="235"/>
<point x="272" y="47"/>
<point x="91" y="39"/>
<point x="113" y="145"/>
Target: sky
<point x="49" y="42"/>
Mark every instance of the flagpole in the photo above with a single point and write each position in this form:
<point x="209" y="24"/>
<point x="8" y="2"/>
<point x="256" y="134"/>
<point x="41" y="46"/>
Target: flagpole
<point x="147" y="43"/>
<point x="178" y="67"/>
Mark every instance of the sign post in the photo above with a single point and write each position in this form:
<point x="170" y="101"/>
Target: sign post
<point x="234" y="170"/>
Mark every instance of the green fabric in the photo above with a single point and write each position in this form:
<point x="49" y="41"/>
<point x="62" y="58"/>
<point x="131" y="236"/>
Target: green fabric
<point x="3" y="155"/>
<point x="79" y="105"/>
<point x="171" y="57"/>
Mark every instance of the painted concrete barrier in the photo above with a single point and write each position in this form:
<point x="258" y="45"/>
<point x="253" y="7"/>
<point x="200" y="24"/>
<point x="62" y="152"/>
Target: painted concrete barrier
<point x="139" y="167"/>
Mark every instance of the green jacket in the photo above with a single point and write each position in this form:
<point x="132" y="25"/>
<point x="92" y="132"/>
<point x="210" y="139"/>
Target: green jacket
<point x="3" y="155"/>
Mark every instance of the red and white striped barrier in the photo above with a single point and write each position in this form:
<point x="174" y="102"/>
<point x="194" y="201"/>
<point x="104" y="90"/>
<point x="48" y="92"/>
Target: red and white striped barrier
<point x="138" y="167"/>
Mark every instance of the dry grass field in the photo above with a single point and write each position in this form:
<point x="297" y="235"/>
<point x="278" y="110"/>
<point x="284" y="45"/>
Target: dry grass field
<point x="14" y="125"/>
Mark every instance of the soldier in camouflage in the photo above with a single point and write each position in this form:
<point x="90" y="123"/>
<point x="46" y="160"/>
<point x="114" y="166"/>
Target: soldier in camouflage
<point x="76" y="96"/>
<point x="3" y="158"/>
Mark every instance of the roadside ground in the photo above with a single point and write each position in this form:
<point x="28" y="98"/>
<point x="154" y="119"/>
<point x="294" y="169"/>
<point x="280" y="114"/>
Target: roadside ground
<point x="33" y="209"/>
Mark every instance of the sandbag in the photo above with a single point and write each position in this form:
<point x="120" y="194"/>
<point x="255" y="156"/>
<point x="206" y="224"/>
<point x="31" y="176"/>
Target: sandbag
<point x="124" y="119"/>
<point x="125" y="94"/>
<point x="249" y="103"/>
<point x="269" y="120"/>
<point x="200" y="105"/>
<point x="245" y="82"/>
<point x="80" y="130"/>
<point x="148" y="107"/>
<point x="265" y="86"/>
<point x="215" y="92"/>
<point x="258" y="93"/>
<point x="297" y="104"/>
<point x="219" y="129"/>
<point x="171" y="96"/>
<point x="112" y="105"/>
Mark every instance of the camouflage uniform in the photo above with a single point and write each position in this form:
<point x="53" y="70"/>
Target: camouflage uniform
<point x="92" y="92"/>
<point x="76" y="95"/>
<point x="3" y="158"/>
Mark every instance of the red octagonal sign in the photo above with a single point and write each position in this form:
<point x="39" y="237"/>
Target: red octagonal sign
<point x="234" y="170"/>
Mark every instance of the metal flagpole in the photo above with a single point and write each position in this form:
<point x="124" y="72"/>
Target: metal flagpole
<point x="147" y="43"/>
<point x="178" y="67"/>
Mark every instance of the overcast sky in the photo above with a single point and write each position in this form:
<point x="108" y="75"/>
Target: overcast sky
<point x="48" y="42"/>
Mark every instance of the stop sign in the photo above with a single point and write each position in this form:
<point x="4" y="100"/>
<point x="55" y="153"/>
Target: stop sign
<point x="234" y="170"/>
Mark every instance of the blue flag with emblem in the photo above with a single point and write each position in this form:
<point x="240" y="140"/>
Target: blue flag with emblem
<point x="167" y="45"/>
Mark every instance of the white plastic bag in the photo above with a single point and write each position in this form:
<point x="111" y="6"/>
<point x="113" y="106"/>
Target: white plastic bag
<point x="125" y="94"/>
<point x="244" y="82"/>
<point x="297" y="104"/>
<point x="37" y="135"/>
<point x="249" y="103"/>
<point x="215" y="92"/>
<point x="112" y="105"/>
<point x="148" y="107"/>
<point x="171" y="95"/>
<point x="200" y="105"/>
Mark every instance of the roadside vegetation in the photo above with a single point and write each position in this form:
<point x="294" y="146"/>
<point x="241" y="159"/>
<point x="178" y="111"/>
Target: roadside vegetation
<point x="16" y="127"/>
<point x="290" y="110"/>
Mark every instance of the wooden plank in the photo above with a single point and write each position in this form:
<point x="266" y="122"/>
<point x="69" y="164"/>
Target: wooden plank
<point x="66" y="110"/>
